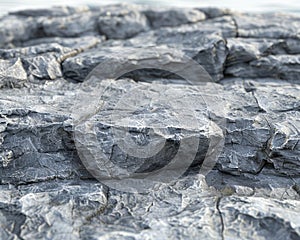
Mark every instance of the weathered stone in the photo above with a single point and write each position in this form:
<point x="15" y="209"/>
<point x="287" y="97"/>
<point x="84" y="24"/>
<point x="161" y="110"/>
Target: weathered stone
<point x="267" y="218"/>
<point x="70" y="26"/>
<point x="16" y="29"/>
<point x="122" y="25"/>
<point x="77" y="68"/>
<point x="268" y="25"/>
<point x="12" y="73"/>
<point x="58" y="11"/>
<point x="212" y="12"/>
<point x="54" y="208"/>
<point x="173" y="17"/>
<point x="255" y="57"/>
<point x="173" y="136"/>
<point x="80" y="43"/>
<point x="51" y="131"/>
<point x="186" y="206"/>
<point x="252" y="132"/>
<point x="43" y="61"/>
<point x="279" y="66"/>
<point x="223" y="26"/>
<point x="208" y="50"/>
<point x="39" y="147"/>
<point x="247" y="49"/>
<point x="272" y="120"/>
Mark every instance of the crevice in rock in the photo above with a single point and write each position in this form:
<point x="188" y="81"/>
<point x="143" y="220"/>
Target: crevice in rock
<point x="261" y="109"/>
<point x="236" y="26"/>
<point x="221" y="218"/>
<point x="98" y="211"/>
<point x="73" y="53"/>
<point x="224" y="65"/>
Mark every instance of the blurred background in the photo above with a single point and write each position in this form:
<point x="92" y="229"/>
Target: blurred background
<point x="290" y="6"/>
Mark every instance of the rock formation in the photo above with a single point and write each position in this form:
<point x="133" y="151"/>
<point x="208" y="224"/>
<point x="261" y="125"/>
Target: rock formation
<point x="251" y="192"/>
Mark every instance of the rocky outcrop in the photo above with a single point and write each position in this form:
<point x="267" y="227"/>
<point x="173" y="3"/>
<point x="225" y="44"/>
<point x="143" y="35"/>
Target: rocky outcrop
<point x="61" y="130"/>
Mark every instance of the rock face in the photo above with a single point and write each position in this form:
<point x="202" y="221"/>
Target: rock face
<point x="62" y="130"/>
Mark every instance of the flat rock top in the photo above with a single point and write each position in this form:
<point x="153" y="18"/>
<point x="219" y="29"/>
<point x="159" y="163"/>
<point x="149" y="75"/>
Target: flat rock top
<point x="122" y="92"/>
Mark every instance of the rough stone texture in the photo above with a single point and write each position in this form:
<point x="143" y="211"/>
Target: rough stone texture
<point x="46" y="192"/>
<point x="70" y="26"/>
<point x="58" y="11"/>
<point x="282" y="67"/>
<point x="201" y="41"/>
<point x="267" y="25"/>
<point x="173" y="17"/>
<point x="12" y="73"/>
<point x="42" y="61"/>
<point x="211" y="55"/>
<point x="121" y="25"/>
<point x="212" y="12"/>
<point x="16" y="29"/>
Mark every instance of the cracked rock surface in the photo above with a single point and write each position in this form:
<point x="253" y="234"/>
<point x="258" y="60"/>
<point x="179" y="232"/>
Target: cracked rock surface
<point x="47" y="108"/>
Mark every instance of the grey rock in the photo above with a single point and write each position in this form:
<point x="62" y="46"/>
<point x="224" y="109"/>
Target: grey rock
<point x="80" y="43"/>
<point x="213" y="12"/>
<point x="42" y="61"/>
<point x="43" y="67"/>
<point x="70" y="26"/>
<point x="116" y="213"/>
<point x="20" y="146"/>
<point x="173" y="17"/>
<point x="81" y="199"/>
<point x="45" y="136"/>
<point x="170" y="140"/>
<point x="268" y="25"/>
<point x="199" y="41"/>
<point x="56" y="11"/>
<point x="278" y="66"/>
<point x="46" y="192"/>
<point x="238" y="213"/>
<point x="178" y="210"/>
<point x="16" y="29"/>
<point x="248" y="49"/>
<point x="269" y="117"/>
<point x="206" y="48"/>
<point x="122" y="25"/>
<point x="205" y="42"/>
<point x="277" y="58"/>
<point x="12" y="73"/>
<point x="79" y="66"/>
<point x="223" y="26"/>
<point x="32" y="51"/>
<point x="252" y="134"/>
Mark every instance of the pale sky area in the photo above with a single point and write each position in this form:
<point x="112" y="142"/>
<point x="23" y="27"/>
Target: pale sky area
<point x="240" y="5"/>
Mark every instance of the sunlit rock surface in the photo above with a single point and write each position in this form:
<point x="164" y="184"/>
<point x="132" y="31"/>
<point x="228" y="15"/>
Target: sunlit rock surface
<point x="47" y="107"/>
